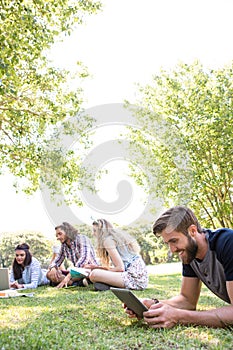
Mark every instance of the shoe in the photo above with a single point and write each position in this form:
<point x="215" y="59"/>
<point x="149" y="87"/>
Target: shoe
<point x="100" y="287"/>
<point x="86" y="282"/>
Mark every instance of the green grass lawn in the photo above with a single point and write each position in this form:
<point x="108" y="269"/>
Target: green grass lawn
<point x="80" y="318"/>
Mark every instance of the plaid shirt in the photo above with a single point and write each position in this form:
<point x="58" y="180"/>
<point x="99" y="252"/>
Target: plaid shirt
<point x="80" y="253"/>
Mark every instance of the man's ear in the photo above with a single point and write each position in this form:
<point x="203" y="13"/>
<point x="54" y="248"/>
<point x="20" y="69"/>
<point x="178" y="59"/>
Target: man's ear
<point x="192" y="230"/>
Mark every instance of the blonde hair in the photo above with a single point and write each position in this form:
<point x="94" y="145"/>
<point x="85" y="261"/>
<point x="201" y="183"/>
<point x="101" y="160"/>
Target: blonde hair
<point x="106" y="230"/>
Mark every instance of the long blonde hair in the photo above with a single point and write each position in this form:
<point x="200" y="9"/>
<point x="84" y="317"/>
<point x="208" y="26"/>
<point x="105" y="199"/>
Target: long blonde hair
<point x="105" y="230"/>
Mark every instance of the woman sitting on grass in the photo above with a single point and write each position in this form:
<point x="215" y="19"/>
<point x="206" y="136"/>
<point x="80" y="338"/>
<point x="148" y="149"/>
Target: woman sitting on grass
<point x="122" y="266"/>
<point x="26" y="271"/>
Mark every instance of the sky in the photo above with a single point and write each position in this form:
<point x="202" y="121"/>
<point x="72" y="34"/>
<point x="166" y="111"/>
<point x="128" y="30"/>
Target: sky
<point x="125" y="44"/>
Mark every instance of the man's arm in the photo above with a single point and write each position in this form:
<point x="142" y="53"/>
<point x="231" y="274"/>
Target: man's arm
<point x="53" y="273"/>
<point x="163" y="315"/>
<point x="220" y="317"/>
<point x="189" y="294"/>
<point x="59" y="259"/>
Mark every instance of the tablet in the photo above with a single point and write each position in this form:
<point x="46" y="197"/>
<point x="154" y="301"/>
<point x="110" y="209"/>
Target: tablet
<point x="130" y="300"/>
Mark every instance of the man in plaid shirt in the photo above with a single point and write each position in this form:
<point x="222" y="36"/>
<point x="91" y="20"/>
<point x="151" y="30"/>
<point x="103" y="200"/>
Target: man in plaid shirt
<point x="75" y="247"/>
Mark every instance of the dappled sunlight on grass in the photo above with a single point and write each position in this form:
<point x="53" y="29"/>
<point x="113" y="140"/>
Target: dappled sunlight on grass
<point x="202" y="335"/>
<point x="19" y="317"/>
<point x="80" y="318"/>
<point x="163" y="287"/>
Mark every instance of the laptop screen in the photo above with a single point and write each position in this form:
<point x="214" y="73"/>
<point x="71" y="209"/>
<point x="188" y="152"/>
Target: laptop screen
<point x="4" y="278"/>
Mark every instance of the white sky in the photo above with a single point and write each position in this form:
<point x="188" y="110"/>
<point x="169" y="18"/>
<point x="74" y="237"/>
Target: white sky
<point x="126" y="44"/>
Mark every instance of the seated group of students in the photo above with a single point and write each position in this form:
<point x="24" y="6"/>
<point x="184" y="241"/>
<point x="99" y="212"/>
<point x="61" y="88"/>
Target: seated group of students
<point x="206" y="255"/>
<point x="121" y="264"/>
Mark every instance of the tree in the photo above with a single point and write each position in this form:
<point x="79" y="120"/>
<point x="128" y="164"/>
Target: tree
<point x="40" y="247"/>
<point x="186" y="140"/>
<point x="153" y="250"/>
<point x="35" y="96"/>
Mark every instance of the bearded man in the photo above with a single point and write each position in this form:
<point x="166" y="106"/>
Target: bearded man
<point x="207" y="257"/>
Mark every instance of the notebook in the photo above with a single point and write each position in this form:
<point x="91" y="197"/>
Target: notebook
<point x="79" y="272"/>
<point x="4" y="278"/>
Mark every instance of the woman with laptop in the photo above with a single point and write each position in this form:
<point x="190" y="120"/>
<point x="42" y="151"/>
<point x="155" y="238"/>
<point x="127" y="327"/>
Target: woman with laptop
<point x="122" y="265"/>
<point x="26" y="271"/>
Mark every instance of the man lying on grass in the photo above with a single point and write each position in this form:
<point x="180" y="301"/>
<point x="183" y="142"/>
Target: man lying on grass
<point x="207" y="257"/>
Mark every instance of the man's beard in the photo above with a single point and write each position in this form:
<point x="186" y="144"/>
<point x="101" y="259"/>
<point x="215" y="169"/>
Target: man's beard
<point x="190" y="251"/>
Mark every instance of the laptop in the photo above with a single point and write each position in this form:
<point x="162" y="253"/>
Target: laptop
<point x="4" y="278"/>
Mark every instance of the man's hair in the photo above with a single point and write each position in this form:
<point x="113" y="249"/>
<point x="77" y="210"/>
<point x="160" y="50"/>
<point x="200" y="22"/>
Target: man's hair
<point x="70" y="230"/>
<point x="178" y="219"/>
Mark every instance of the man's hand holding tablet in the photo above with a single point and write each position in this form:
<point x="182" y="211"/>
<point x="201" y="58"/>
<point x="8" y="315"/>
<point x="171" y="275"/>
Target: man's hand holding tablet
<point x="134" y="307"/>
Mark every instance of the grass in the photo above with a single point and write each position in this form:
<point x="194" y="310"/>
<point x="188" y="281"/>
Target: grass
<point x="80" y="318"/>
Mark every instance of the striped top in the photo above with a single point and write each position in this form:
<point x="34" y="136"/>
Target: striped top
<point x="80" y="253"/>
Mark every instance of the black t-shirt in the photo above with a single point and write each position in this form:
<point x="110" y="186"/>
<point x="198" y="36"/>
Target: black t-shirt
<point x="220" y="241"/>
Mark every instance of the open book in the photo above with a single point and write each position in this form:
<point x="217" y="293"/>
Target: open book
<point x="79" y="272"/>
